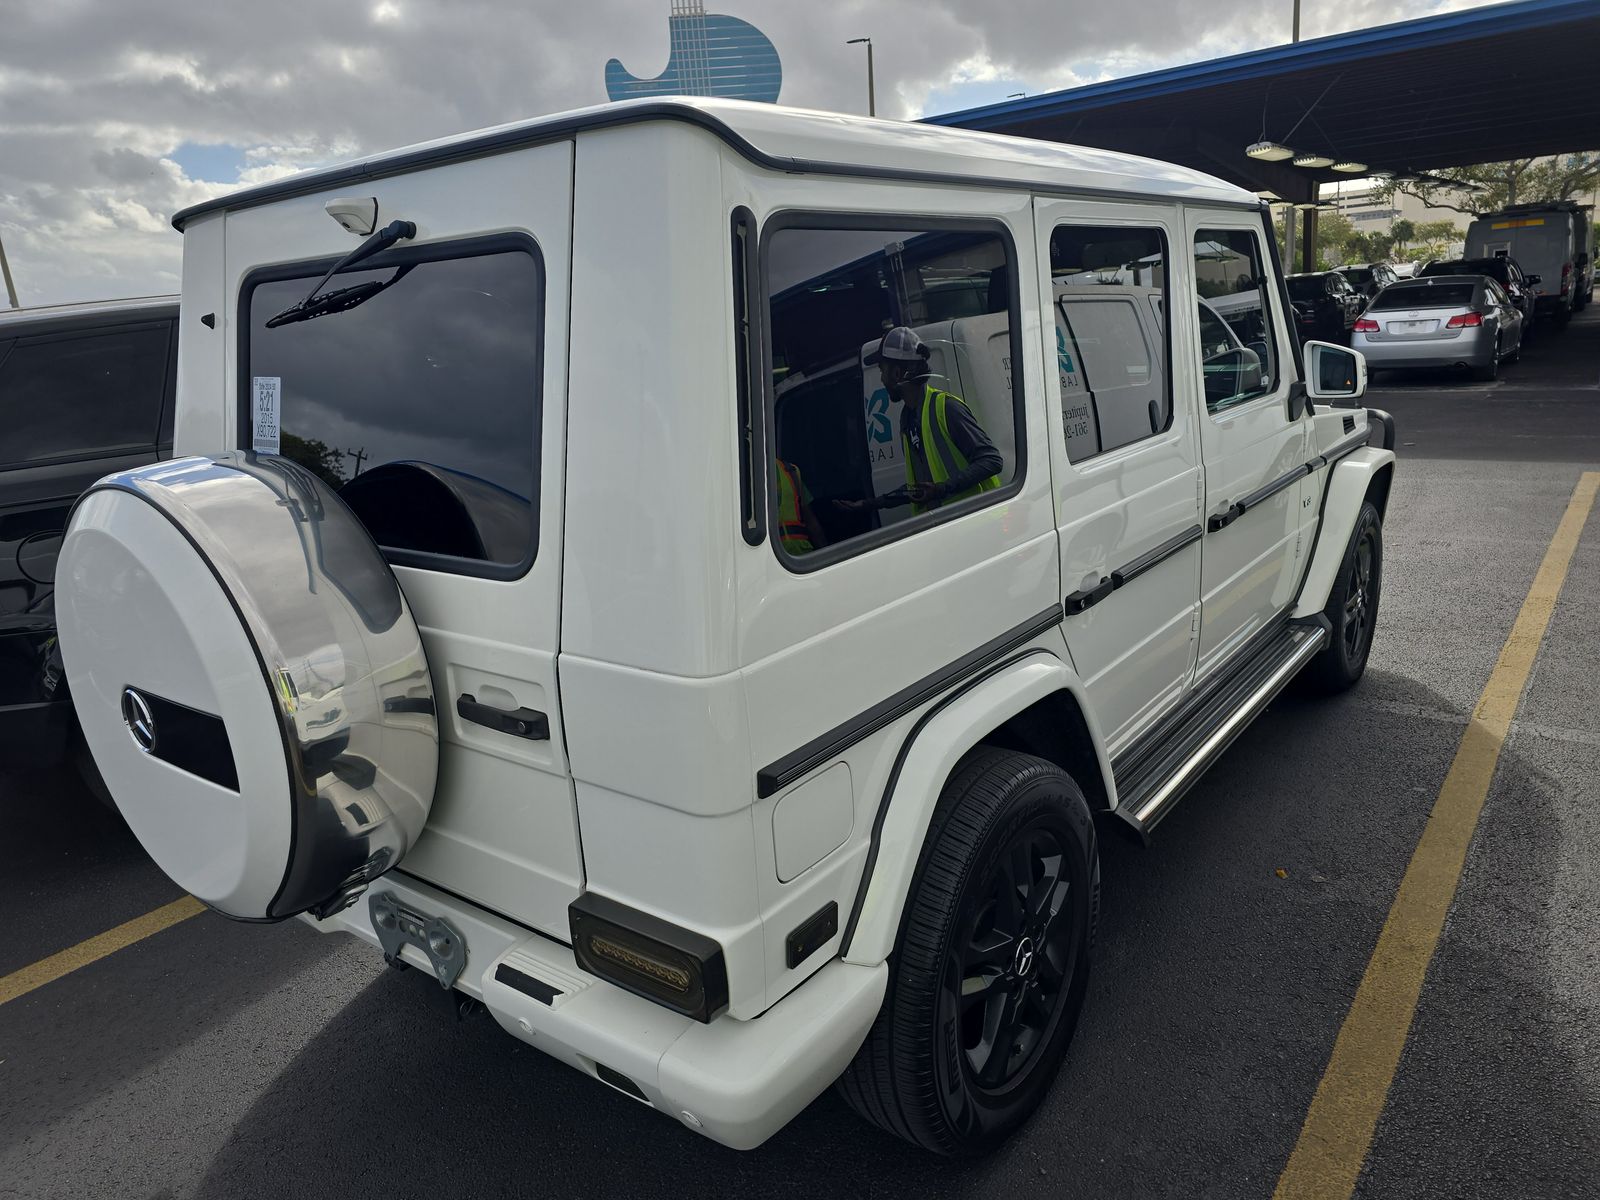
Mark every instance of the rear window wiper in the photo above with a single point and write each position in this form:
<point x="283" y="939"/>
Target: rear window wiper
<point x="348" y="298"/>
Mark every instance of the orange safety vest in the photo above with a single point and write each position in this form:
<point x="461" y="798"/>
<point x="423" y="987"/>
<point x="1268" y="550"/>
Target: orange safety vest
<point x="792" y="526"/>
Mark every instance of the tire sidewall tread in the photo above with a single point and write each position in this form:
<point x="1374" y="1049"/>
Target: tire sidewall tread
<point x="989" y="797"/>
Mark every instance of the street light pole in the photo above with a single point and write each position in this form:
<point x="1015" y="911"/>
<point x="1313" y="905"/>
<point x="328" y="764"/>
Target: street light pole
<point x="5" y="271"/>
<point x="1296" y="20"/>
<point x="872" y="95"/>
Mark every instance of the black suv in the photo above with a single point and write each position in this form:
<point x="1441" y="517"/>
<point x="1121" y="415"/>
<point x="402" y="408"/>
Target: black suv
<point x="85" y="390"/>
<point x="1504" y="271"/>
<point x="1370" y="279"/>
<point x="1325" y="306"/>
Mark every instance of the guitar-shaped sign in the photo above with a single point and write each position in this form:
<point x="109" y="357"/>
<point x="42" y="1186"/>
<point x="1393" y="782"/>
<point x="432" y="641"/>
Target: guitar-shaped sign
<point x="712" y="55"/>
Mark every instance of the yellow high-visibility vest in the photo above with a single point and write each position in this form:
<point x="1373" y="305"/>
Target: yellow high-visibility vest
<point x="941" y="450"/>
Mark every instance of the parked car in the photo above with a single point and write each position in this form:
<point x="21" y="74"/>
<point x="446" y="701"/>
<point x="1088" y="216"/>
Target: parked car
<point x="1370" y="279"/>
<point x="1325" y="305"/>
<point x="1548" y="240"/>
<point x="1504" y="271"/>
<point x="85" y="390"/>
<point x="785" y="684"/>
<point x="1405" y="270"/>
<point x="1442" y="321"/>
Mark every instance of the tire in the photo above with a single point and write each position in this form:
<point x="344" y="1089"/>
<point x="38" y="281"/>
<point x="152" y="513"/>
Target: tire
<point x="1516" y="354"/>
<point x="88" y="772"/>
<point x="1352" y="608"/>
<point x="1490" y="370"/>
<point x="933" y="1070"/>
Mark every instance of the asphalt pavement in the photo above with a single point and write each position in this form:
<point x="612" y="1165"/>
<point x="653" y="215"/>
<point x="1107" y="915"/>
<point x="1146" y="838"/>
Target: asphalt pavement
<point x="216" y="1059"/>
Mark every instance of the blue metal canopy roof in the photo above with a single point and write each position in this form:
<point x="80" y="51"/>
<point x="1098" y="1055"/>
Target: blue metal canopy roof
<point x="1497" y="82"/>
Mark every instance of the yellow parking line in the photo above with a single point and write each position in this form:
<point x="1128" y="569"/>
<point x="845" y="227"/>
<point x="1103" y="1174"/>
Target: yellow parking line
<point x="1333" y="1144"/>
<point x="47" y="970"/>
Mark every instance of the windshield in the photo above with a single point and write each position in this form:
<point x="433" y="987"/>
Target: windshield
<point x="1307" y="287"/>
<point x="1426" y="295"/>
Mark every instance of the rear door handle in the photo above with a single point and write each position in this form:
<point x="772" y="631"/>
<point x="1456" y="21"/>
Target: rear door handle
<point x="1226" y="517"/>
<point x="522" y="722"/>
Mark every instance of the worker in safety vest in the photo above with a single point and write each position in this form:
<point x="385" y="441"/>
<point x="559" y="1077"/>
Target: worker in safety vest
<point x="797" y="526"/>
<point x="948" y="455"/>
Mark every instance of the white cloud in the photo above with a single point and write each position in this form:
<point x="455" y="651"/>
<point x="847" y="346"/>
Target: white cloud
<point x="96" y="96"/>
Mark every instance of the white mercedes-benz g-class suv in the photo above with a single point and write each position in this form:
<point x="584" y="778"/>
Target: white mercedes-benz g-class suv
<point x="690" y="575"/>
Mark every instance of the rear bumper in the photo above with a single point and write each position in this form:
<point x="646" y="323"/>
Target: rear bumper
<point x="737" y="1082"/>
<point x="1473" y="351"/>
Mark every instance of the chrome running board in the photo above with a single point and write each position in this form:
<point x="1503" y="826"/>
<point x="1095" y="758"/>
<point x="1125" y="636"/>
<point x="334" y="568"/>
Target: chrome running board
<point x="1154" y="773"/>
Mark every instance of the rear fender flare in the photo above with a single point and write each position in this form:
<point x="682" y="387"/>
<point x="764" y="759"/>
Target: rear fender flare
<point x="1351" y="478"/>
<point x="937" y="746"/>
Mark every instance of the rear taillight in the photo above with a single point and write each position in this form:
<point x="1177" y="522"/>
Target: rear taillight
<point x="1466" y="320"/>
<point x="1366" y="325"/>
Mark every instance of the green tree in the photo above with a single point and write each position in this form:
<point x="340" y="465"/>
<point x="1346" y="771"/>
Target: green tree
<point x="1489" y="187"/>
<point x="1403" y="232"/>
<point x="1335" y="233"/>
<point x="1437" y="231"/>
<point x="315" y="456"/>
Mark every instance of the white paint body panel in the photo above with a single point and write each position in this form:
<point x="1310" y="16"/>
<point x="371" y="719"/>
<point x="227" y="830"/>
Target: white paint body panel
<point x="504" y="828"/>
<point x="1249" y="568"/>
<point x="1136" y="654"/>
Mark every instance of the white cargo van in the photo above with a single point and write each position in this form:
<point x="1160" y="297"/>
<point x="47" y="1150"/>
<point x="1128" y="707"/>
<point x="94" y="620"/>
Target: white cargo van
<point x="479" y="620"/>
<point x="1552" y="243"/>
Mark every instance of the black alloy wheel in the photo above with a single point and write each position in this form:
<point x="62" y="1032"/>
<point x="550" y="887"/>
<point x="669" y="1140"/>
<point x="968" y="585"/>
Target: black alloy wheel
<point x="1009" y="966"/>
<point x="1360" y="595"/>
<point x="1352" y="609"/>
<point x="988" y="975"/>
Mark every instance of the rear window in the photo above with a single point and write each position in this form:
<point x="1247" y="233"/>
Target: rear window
<point x="82" y="395"/>
<point x="1358" y="275"/>
<point x="1309" y="287"/>
<point x="1427" y="295"/>
<point x="420" y="407"/>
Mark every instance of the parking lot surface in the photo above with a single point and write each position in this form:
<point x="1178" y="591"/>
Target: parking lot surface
<point x="217" y="1059"/>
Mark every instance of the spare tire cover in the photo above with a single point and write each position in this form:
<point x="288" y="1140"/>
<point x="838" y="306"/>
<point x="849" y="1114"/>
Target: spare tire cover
<point x="249" y="679"/>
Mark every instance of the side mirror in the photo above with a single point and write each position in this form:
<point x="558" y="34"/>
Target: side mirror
<point x="1530" y="280"/>
<point x="1334" y="372"/>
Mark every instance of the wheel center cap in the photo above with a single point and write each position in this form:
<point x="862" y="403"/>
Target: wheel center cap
<point x="1026" y="957"/>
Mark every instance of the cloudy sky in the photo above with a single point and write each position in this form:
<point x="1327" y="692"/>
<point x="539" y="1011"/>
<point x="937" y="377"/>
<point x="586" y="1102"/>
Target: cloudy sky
<point x="116" y="113"/>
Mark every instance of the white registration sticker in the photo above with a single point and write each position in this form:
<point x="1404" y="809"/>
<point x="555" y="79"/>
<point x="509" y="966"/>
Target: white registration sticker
<point x="265" y="394"/>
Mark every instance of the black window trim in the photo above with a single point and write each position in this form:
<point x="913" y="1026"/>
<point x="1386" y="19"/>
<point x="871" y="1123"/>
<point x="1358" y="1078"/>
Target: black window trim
<point x="766" y="411"/>
<point x="747" y="359"/>
<point x="1166" y="334"/>
<point x="78" y="332"/>
<point x="456" y="248"/>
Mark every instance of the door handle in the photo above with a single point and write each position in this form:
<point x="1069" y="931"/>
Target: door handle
<point x="1088" y="597"/>
<point x="522" y="722"/>
<point x="1226" y="517"/>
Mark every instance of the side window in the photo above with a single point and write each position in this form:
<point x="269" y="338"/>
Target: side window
<point x="1231" y="279"/>
<point x="1108" y="284"/>
<point x="891" y="395"/>
<point x="81" y="396"/>
<point x="420" y="406"/>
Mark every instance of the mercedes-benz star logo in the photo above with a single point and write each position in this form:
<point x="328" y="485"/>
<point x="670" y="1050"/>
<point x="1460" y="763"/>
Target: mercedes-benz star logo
<point x="1025" y="956"/>
<point x="136" y="712"/>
